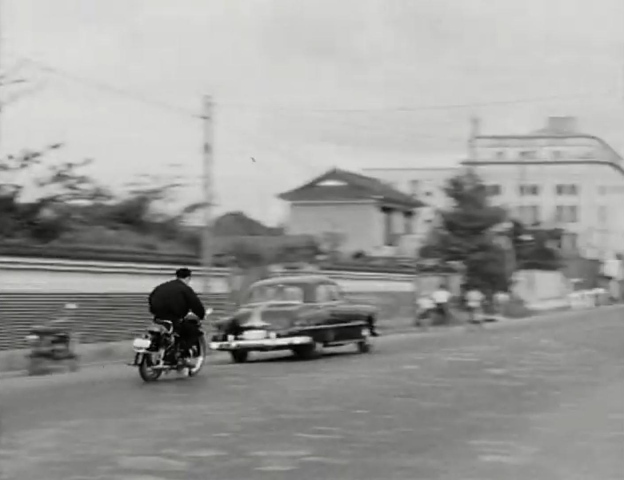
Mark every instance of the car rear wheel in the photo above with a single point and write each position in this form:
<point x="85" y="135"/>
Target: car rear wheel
<point x="239" y="356"/>
<point x="364" y="346"/>
<point x="307" y="352"/>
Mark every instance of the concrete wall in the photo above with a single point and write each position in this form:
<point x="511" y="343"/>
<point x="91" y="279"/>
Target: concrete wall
<point x="112" y="298"/>
<point x="542" y="290"/>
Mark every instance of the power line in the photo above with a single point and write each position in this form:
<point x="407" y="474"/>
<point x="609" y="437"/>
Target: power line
<point x="119" y="91"/>
<point x="105" y="87"/>
<point x="417" y="108"/>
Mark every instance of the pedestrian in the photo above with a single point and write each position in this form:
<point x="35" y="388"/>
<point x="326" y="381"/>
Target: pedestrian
<point x="441" y="298"/>
<point x="474" y="305"/>
<point x="501" y="303"/>
<point x="425" y="308"/>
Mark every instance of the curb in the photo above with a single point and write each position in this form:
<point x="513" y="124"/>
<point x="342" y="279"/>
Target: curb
<point x="403" y="331"/>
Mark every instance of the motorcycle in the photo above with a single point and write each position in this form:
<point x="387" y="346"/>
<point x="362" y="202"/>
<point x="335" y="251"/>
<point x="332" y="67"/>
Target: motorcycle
<point x="158" y="351"/>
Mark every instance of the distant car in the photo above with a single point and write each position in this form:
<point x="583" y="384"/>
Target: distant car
<point x="298" y="313"/>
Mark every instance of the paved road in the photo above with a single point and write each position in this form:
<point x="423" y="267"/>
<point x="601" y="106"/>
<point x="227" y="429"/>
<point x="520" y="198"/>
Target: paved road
<point x="537" y="400"/>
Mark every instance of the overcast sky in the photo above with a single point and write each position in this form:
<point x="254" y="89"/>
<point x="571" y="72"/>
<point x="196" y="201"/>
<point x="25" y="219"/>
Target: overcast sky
<point x="302" y="85"/>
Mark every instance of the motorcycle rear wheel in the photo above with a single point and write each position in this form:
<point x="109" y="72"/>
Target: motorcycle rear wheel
<point x="146" y="368"/>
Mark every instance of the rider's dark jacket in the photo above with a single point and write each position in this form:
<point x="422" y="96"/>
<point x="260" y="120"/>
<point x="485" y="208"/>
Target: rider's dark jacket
<point x="173" y="300"/>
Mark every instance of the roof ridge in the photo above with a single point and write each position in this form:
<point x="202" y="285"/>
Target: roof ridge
<point x="370" y="186"/>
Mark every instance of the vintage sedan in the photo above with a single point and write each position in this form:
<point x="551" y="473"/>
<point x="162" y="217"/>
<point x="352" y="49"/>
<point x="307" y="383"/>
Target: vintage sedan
<point x="298" y="313"/>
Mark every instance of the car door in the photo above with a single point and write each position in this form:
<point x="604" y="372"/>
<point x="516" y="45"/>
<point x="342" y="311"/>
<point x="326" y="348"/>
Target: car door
<point x="328" y="315"/>
<point x="346" y="324"/>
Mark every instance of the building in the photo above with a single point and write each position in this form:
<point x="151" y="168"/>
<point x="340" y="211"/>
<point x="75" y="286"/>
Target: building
<point x="557" y="176"/>
<point x="426" y="184"/>
<point x="354" y="211"/>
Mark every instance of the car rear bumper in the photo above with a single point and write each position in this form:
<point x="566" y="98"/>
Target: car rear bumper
<point x="265" y="344"/>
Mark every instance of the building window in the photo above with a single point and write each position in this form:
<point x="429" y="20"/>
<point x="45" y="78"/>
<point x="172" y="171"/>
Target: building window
<point x="566" y="214"/>
<point x="556" y="154"/>
<point x="415" y="187"/>
<point x="602" y="214"/>
<point x="500" y="155"/>
<point x="529" y="214"/>
<point x="492" y="190"/>
<point x="534" y="215"/>
<point x="567" y="189"/>
<point x="531" y="190"/>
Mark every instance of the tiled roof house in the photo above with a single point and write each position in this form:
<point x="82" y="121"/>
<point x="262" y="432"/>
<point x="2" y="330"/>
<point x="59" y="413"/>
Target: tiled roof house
<point x="367" y="213"/>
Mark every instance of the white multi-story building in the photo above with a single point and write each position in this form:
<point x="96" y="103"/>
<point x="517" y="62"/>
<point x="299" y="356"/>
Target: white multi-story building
<point x="558" y="176"/>
<point x="555" y="177"/>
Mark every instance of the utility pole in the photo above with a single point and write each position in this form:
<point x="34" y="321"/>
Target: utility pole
<point x="208" y="149"/>
<point x="475" y="127"/>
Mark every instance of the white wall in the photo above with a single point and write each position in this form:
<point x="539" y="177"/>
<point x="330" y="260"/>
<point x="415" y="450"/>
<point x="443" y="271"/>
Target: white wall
<point x="542" y="290"/>
<point x="362" y="223"/>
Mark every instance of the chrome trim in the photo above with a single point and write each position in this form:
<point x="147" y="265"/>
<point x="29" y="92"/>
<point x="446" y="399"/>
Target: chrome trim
<point x="332" y="325"/>
<point x="264" y="343"/>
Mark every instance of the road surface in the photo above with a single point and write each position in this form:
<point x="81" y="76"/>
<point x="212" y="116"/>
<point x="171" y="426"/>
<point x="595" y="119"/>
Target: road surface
<point x="535" y="400"/>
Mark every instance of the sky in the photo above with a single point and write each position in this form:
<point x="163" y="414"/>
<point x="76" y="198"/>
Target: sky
<point x="300" y="86"/>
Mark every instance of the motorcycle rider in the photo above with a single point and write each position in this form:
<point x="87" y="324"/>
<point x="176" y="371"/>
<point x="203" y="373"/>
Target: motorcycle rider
<point x="171" y="301"/>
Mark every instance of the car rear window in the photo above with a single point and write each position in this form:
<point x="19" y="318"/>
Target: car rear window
<point x="276" y="293"/>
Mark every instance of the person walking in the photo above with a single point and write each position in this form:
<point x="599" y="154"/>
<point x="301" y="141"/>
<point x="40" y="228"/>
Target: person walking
<point x="441" y="298"/>
<point x="474" y="305"/>
<point x="425" y="309"/>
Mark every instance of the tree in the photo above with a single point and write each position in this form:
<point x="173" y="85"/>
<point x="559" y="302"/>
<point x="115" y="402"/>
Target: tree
<point x="465" y="234"/>
<point x="66" y="204"/>
<point x="23" y="218"/>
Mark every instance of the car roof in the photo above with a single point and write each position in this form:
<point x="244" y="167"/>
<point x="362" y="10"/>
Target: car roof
<point x="295" y="279"/>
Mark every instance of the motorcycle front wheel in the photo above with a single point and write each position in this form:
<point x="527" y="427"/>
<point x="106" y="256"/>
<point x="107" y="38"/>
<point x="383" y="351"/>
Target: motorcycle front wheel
<point x="146" y="368"/>
<point x="198" y="356"/>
